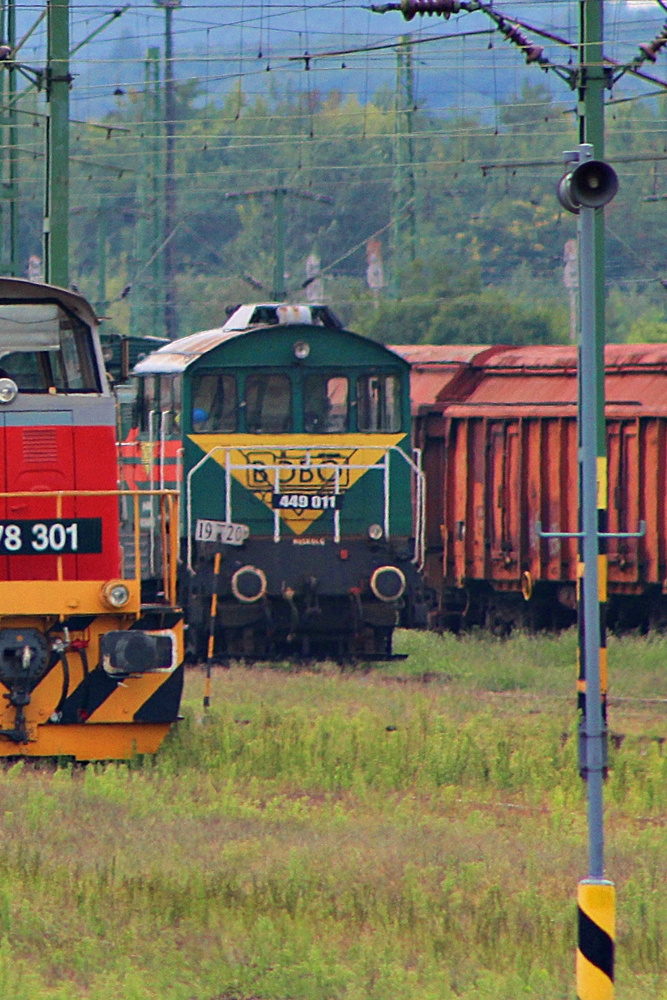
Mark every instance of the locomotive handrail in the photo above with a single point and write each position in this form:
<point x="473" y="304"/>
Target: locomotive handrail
<point x="151" y="479"/>
<point x="169" y="539"/>
<point x="382" y="465"/>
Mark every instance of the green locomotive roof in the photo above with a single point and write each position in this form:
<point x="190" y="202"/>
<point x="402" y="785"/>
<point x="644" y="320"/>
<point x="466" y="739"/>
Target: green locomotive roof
<point x="176" y="356"/>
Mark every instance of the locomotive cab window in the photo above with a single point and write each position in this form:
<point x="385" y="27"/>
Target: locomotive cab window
<point x="214" y="403"/>
<point x="379" y="403"/>
<point x="157" y="405"/>
<point x="268" y="400"/>
<point x="325" y="404"/>
<point x="43" y="348"/>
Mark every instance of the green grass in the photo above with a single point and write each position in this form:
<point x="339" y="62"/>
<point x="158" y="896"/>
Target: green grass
<point x="416" y="831"/>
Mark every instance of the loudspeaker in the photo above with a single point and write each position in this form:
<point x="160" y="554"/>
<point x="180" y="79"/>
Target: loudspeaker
<point x="592" y="184"/>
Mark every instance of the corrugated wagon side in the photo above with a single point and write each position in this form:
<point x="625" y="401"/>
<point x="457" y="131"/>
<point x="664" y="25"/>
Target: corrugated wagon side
<point x="497" y="427"/>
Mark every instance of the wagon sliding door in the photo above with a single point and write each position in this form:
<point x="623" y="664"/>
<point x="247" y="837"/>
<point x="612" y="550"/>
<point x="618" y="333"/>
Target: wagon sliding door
<point x="503" y="500"/>
<point x="625" y="499"/>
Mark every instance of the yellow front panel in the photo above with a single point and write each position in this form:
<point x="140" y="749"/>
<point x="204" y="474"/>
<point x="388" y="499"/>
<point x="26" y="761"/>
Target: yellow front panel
<point x="61" y="597"/>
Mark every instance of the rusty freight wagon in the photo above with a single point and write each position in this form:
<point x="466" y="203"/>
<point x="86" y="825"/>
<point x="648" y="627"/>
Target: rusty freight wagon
<point x="497" y="430"/>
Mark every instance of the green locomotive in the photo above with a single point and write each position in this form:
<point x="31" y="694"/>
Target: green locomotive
<point x="290" y="437"/>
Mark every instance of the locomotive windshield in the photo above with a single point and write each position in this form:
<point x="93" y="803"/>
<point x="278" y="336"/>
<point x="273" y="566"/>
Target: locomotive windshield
<point x="325" y="404"/>
<point x="45" y="349"/>
<point x="214" y="404"/>
<point x="379" y="403"/>
<point x="268" y="400"/>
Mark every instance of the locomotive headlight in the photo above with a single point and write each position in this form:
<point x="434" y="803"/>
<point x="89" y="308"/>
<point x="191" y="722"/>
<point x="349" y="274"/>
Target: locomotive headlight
<point x="388" y="583"/>
<point x="115" y="594"/>
<point x="8" y="390"/>
<point x="249" y="584"/>
<point x="301" y="350"/>
<point x="375" y="532"/>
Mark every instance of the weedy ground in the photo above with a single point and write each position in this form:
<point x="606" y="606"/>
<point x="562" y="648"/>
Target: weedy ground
<point x="411" y="832"/>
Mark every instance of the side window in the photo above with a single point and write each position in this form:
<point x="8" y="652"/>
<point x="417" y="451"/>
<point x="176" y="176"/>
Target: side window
<point x="44" y="348"/>
<point x="325" y="404"/>
<point x="379" y="403"/>
<point x="177" y="386"/>
<point x="78" y="357"/>
<point x="268" y="401"/>
<point x="145" y="401"/>
<point x="214" y="403"/>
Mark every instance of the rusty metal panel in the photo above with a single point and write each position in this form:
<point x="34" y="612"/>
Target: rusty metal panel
<point x="510" y="456"/>
<point x="442" y="372"/>
<point x="652" y="485"/>
<point x="459" y="508"/>
<point x="553" y="498"/>
<point x="478" y="566"/>
<point x="503" y="499"/>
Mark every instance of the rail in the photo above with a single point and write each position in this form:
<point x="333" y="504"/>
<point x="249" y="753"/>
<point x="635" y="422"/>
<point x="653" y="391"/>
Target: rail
<point x="273" y="473"/>
<point x="168" y="501"/>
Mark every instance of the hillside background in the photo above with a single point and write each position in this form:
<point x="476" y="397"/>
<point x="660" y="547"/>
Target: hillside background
<point x="452" y="173"/>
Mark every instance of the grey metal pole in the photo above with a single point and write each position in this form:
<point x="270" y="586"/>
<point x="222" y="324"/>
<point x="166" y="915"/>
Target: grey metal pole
<point x="596" y="899"/>
<point x="589" y="376"/>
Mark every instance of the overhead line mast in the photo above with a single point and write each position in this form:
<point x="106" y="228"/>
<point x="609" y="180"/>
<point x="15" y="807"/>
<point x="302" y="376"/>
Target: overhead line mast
<point x="56" y="201"/>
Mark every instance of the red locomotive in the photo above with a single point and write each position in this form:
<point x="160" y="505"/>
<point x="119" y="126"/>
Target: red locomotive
<point x="86" y="669"/>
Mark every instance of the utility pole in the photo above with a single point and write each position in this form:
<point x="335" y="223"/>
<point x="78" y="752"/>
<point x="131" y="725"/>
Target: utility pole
<point x="102" y="303"/>
<point x="11" y="186"/>
<point x="596" y="900"/>
<point x="156" y="191"/>
<point x="3" y="121"/>
<point x="279" y="291"/>
<point x="56" y="201"/>
<point x="170" y="308"/>
<point x="55" y="81"/>
<point x="586" y="187"/>
<point x="404" y="189"/>
<point x="147" y="304"/>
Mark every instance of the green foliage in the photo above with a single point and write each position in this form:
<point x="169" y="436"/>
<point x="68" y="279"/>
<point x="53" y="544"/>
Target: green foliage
<point x="490" y="317"/>
<point x="489" y="243"/>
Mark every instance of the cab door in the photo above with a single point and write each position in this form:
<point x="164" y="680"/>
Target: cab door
<point x="38" y="457"/>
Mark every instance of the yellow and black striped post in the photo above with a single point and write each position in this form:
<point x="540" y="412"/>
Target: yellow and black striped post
<point x="596" y="896"/>
<point x="596" y="904"/>
<point x="211" y="628"/>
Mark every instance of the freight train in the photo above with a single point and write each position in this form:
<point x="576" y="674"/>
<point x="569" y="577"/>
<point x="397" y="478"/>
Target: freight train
<point x="89" y="669"/>
<point x="497" y="430"/>
<point x="444" y="506"/>
<point x="302" y="515"/>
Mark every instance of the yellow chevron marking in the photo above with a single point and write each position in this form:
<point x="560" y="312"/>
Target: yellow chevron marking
<point x="592" y="983"/>
<point x="604" y="672"/>
<point x="602" y="578"/>
<point x="602" y="482"/>
<point x="598" y="901"/>
<point x="128" y="698"/>
<point x="45" y="697"/>
<point x="298" y="475"/>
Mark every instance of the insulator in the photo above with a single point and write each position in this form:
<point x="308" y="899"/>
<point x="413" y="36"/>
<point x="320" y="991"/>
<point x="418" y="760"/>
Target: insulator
<point x="514" y="34"/>
<point x="651" y="49"/>
<point x="533" y="53"/>
<point x="444" y="8"/>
